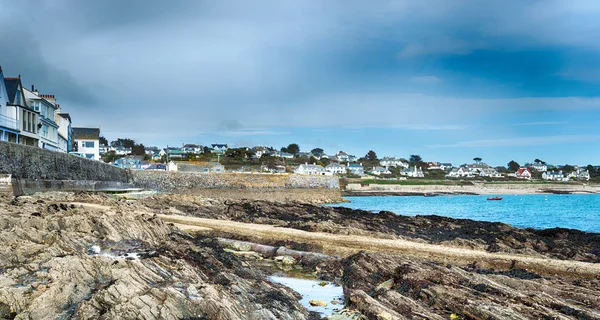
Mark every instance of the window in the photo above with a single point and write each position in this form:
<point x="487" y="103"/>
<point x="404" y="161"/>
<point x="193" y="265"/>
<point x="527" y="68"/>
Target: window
<point x="89" y="144"/>
<point x="89" y="155"/>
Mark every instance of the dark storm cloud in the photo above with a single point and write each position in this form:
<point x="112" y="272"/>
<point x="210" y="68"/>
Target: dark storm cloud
<point x="241" y="68"/>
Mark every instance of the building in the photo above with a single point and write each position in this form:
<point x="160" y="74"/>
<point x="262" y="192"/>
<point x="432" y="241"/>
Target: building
<point x="539" y="167"/>
<point x="193" y="148"/>
<point x="523" y="173"/>
<point x="27" y="119"/>
<point x="285" y="155"/>
<point x="335" y="168"/>
<point x="393" y="162"/>
<point x="45" y="104"/>
<point x="212" y="167"/>
<point x="380" y="170"/>
<point x="413" y="173"/>
<point x="580" y="174"/>
<point x="121" y="151"/>
<point x="87" y="142"/>
<point x="490" y="173"/>
<point x="65" y="131"/>
<point x="131" y="163"/>
<point x="9" y="128"/>
<point x="553" y="175"/>
<point x="311" y="169"/>
<point x="460" y="172"/>
<point x="218" y="148"/>
<point x="356" y="169"/>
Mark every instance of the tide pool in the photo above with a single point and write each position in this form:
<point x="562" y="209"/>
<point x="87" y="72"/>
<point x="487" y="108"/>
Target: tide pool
<point x="539" y="211"/>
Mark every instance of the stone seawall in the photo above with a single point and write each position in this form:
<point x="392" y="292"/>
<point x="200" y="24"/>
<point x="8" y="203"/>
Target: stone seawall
<point x="276" y="187"/>
<point x="31" y="163"/>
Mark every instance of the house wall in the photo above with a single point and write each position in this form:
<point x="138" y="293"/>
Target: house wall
<point x="95" y="151"/>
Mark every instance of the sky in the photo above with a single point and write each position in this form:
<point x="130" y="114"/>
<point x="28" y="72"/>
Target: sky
<point x="448" y="80"/>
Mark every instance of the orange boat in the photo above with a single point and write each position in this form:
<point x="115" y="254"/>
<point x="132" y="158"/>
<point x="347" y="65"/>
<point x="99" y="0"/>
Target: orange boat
<point x="495" y="198"/>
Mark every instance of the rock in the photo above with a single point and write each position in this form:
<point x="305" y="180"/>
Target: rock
<point x="317" y="303"/>
<point x="335" y="302"/>
<point x="48" y="269"/>
<point x="285" y="260"/>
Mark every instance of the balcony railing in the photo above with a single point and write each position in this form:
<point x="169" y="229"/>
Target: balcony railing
<point x="8" y="122"/>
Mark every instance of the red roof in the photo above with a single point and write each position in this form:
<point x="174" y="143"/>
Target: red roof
<point x="522" y="170"/>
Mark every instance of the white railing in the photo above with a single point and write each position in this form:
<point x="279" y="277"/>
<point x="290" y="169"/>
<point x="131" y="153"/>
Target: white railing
<point x="8" y="122"/>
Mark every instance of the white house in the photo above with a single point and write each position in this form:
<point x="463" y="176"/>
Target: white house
<point x="285" y="155"/>
<point x="311" y="169"/>
<point x="356" y="169"/>
<point x="27" y="119"/>
<point x="192" y="148"/>
<point x="218" y="148"/>
<point x="461" y="172"/>
<point x="553" y="175"/>
<point x="539" y="167"/>
<point x="341" y="156"/>
<point x="380" y="170"/>
<point x="335" y="168"/>
<point x="490" y="173"/>
<point x="580" y="174"/>
<point x="393" y="162"/>
<point x="523" y="173"/>
<point x="87" y="141"/>
<point x="415" y="172"/>
<point x="122" y="151"/>
<point x="65" y="133"/>
<point x="45" y="104"/>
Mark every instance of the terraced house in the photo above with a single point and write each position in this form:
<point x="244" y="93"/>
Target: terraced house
<point x="46" y="106"/>
<point x="21" y="122"/>
<point x="9" y="129"/>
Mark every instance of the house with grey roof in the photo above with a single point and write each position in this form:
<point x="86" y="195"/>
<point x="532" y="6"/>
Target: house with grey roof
<point x="87" y="142"/>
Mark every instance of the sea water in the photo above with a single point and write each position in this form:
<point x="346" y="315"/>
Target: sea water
<point x="539" y="211"/>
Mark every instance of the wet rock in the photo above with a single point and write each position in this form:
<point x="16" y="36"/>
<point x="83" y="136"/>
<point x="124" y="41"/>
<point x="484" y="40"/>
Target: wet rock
<point x="92" y="263"/>
<point x="317" y="303"/>
<point x="285" y="260"/>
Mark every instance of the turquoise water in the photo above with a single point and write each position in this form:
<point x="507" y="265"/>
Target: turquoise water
<point x="537" y="211"/>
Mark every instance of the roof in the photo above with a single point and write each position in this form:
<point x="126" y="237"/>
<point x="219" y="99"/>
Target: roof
<point x="331" y="165"/>
<point x="355" y="165"/>
<point x="12" y="85"/>
<point x="65" y="115"/>
<point x="86" y="133"/>
<point x="217" y="145"/>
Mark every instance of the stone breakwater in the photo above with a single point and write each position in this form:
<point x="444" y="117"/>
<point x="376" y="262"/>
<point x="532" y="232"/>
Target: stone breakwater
<point x="275" y="187"/>
<point x="356" y="189"/>
<point x="31" y="163"/>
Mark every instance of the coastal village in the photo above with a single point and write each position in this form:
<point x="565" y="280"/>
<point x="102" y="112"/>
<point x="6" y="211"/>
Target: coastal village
<point x="31" y="118"/>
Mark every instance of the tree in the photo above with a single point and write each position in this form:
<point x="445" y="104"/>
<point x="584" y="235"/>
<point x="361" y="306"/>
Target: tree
<point x="477" y="159"/>
<point x="109" y="156"/>
<point x="567" y="168"/>
<point x="138" y="149"/>
<point x="123" y="142"/>
<point x="501" y="169"/>
<point x="415" y="158"/>
<point x="103" y="141"/>
<point x="206" y="150"/>
<point x="371" y="156"/>
<point x="513" y="166"/>
<point x="317" y="152"/>
<point x="539" y="161"/>
<point x="293" y="148"/>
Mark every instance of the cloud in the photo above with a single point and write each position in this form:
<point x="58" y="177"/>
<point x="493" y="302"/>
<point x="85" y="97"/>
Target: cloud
<point x="250" y="132"/>
<point x="541" y="123"/>
<point x="426" y="79"/>
<point x="519" y="142"/>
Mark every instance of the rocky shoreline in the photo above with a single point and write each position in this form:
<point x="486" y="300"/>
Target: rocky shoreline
<point x="97" y="257"/>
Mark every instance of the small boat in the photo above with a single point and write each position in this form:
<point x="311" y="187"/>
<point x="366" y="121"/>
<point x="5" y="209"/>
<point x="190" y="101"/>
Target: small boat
<point x="429" y="195"/>
<point x="495" y="198"/>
